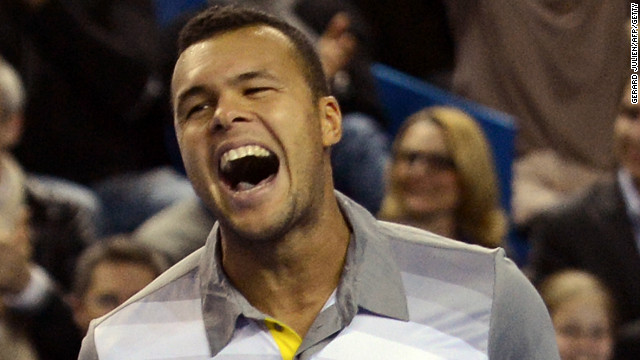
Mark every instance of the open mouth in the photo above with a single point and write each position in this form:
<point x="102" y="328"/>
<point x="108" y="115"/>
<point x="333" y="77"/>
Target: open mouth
<point x="246" y="167"/>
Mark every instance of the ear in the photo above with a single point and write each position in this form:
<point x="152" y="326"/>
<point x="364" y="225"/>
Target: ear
<point x="331" y="121"/>
<point x="11" y="131"/>
<point x="77" y="305"/>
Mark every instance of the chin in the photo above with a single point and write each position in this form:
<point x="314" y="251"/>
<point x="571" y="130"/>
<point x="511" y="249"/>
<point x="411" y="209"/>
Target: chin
<point x="420" y="208"/>
<point x="262" y="229"/>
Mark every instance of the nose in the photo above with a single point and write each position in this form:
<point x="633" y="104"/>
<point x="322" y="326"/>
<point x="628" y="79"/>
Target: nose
<point x="228" y="111"/>
<point x="633" y="131"/>
<point x="417" y="167"/>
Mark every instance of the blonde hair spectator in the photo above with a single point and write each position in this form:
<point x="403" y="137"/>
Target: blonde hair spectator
<point x="583" y="314"/>
<point x="476" y="213"/>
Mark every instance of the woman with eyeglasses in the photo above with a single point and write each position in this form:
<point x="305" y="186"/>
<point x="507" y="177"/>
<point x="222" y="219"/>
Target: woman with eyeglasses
<point x="441" y="178"/>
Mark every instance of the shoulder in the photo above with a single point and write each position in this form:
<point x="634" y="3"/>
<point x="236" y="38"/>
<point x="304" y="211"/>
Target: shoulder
<point x="482" y="286"/>
<point x="581" y="214"/>
<point x="475" y="268"/>
<point x="411" y="242"/>
<point x="431" y="257"/>
<point x="600" y="197"/>
<point x="451" y="264"/>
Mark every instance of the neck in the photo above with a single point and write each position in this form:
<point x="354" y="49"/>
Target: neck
<point x="291" y="278"/>
<point x="441" y="223"/>
<point x="2" y="164"/>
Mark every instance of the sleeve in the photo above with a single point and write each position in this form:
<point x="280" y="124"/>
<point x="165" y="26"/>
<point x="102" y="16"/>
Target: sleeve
<point x="520" y="324"/>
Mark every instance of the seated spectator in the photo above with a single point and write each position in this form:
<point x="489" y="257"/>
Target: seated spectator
<point x="442" y="179"/>
<point x="583" y="315"/>
<point x="61" y="213"/>
<point x="110" y="272"/>
<point x="33" y="312"/>
<point x="599" y="230"/>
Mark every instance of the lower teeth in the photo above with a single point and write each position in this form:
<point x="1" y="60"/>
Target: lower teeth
<point x="242" y="186"/>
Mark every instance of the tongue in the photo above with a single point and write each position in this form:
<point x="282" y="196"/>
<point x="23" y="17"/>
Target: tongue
<point x="243" y="186"/>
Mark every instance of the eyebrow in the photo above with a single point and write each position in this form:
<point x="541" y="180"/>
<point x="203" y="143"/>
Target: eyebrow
<point x="195" y="90"/>
<point x="246" y="76"/>
<point x="251" y="75"/>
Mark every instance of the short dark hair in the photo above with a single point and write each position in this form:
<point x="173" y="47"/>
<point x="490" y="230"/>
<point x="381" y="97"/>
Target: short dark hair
<point x="216" y="20"/>
<point x="116" y="248"/>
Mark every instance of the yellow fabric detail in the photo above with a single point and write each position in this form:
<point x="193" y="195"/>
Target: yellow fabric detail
<point x="286" y="338"/>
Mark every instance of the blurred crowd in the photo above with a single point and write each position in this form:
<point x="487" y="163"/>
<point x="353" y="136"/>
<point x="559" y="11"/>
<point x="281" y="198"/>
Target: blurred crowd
<point x="94" y="201"/>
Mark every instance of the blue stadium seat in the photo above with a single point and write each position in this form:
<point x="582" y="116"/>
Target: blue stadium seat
<point x="167" y="10"/>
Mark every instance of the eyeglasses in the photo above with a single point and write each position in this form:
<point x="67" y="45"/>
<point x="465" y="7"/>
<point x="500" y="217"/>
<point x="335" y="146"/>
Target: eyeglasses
<point x="576" y="332"/>
<point x="433" y="161"/>
<point x="630" y="112"/>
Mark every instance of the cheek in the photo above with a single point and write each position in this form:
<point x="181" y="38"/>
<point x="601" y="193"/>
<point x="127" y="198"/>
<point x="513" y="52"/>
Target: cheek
<point x="565" y="346"/>
<point x="448" y="185"/>
<point x="627" y="150"/>
<point x="626" y="134"/>
<point x="95" y="308"/>
<point x="619" y="138"/>
<point x="396" y="173"/>
<point x="302" y="144"/>
<point x="604" y="345"/>
<point x="450" y="180"/>
<point x="194" y="150"/>
<point x="188" y="136"/>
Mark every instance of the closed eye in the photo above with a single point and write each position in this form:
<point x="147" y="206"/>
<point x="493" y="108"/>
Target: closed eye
<point x="257" y="91"/>
<point x="196" y="109"/>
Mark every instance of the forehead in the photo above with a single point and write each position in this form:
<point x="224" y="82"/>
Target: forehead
<point x="105" y="268"/>
<point x="423" y="135"/>
<point x="236" y="51"/>
<point x="582" y="309"/>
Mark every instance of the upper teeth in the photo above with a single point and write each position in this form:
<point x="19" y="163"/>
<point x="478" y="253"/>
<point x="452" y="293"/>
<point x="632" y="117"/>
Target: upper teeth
<point x="237" y="153"/>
